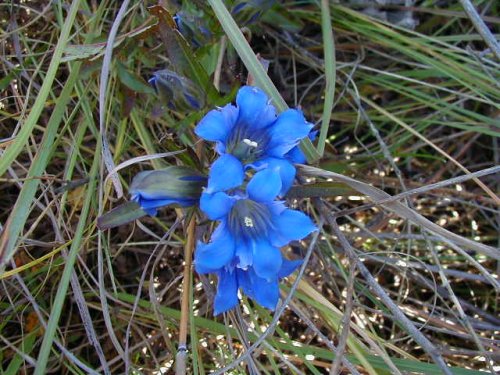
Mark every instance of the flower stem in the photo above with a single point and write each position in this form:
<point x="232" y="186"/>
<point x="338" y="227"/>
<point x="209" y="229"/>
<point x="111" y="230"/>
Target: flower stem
<point x="180" y="358"/>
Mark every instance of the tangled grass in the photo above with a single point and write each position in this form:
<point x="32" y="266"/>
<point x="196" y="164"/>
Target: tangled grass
<point x="403" y="275"/>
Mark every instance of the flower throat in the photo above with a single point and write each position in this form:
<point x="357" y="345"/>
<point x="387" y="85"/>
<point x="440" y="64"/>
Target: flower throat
<point x="249" y="219"/>
<point x="246" y="147"/>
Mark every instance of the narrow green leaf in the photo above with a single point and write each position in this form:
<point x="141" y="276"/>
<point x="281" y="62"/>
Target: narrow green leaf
<point x="4" y="82"/>
<point x="217" y="328"/>
<point x="321" y="189"/>
<point x="132" y="81"/>
<point x="82" y="51"/>
<point x="62" y="289"/>
<point x="26" y="347"/>
<point x="21" y="208"/>
<point x="282" y="17"/>
<point x="123" y="214"/>
<point x="329" y="57"/>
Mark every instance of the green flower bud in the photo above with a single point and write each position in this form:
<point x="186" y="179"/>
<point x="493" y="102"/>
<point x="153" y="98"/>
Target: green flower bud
<point x="173" y="185"/>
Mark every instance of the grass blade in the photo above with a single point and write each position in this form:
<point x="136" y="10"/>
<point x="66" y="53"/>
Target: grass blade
<point x="21" y="209"/>
<point x="330" y="62"/>
<point x="60" y="297"/>
<point x="16" y="147"/>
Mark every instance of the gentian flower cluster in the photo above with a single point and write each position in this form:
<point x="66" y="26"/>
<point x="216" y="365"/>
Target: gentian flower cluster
<point x="257" y="149"/>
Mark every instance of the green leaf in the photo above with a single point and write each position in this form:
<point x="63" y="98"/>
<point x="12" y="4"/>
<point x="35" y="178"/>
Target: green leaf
<point x="132" y="81"/>
<point x="321" y="189"/>
<point x="285" y="19"/>
<point x="215" y="327"/>
<point x="123" y="214"/>
<point x="26" y="346"/>
<point x="4" y="82"/>
<point x="329" y="52"/>
<point x="21" y="208"/>
<point x="62" y="288"/>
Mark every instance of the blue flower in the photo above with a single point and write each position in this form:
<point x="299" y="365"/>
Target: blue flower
<point x="264" y="292"/>
<point x="295" y="155"/>
<point x="173" y="185"/>
<point x="254" y="135"/>
<point x="253" y="225"/>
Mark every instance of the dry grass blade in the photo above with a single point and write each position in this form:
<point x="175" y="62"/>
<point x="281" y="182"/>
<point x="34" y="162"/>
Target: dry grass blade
<point x="397" y="313"/>
<point x="481" y="27"/>
<point x="106" y="66"/>
<point x="438" y="149"/>
<point x="402" y="210"/>
<point x="139" y="159"/>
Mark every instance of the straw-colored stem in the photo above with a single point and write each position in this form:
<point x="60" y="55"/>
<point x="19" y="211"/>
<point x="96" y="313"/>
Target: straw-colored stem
<point x="180" y="367"/>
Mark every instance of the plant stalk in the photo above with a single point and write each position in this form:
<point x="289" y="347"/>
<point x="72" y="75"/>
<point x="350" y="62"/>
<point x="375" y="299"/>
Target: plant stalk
<point x="180" y="358"/>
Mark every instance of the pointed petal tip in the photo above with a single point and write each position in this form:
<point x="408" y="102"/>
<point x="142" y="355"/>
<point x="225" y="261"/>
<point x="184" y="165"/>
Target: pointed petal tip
<point x="216" y="254"/>
<point x="267" y="260"/>
<point x="226" y="173"/>
<point x="217" y="124"/>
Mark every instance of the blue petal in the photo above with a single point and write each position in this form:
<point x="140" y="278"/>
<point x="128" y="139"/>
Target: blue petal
<point x="267" y="259"/>
<point x="238" y="8"/>
<point x="217" y="124"/>
<point x="291" y="225"/>
<point x="264" y="186"/>
<point x="151" y="211"/>
<point x="265" y="293"/>
<point x="216" y="205"/>
<point x="193" y="102"/>
<point x="254" y="108"/>
<point x="217" y="254"/>
<point x="227" y="292"/>
<point x="295" y="155"/>
<point x="220" y="148"/>
<point x="287" y="131"/>
<point x="288" y="267"/>
<point x="193" y="178"/>
<point x="244" y="253"/>
<point x="285" y="169"/>
<point x="244" y="281"/>
<point x="226" y="173"/>
<point x="276" y="207"/>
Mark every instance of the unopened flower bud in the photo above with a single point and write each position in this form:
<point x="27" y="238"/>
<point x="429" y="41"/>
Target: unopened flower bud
<point x="176" y="91"/>
<point x="173" y="185"/>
